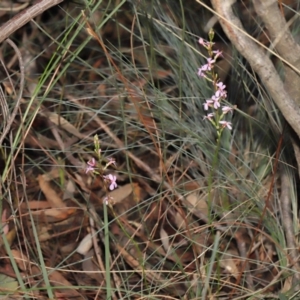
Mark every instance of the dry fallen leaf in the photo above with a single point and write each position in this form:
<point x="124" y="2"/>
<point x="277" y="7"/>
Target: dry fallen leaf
<point x="197" y="203"/>
<point x="62" y="122"/>
<point x="90" y="268"/>
<point x="125" y="200"/>
<point x="85" y="245"/>
<point x="164" y="237"/>
<point x="50" y="194"/>
<point x="179" y="220"/>
<point x="121" y="193"/>
<point x="229" y="261"/>
<point x="56" y="278"/>
<point x="53" y="214"/>
<point x="70" y="189"/>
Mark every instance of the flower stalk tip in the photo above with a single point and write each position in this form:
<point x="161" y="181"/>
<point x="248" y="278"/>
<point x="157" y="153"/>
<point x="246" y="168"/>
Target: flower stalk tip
<point x="99" y="169"/>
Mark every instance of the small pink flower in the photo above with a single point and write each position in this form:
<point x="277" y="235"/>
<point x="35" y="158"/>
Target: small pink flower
<point x="208" y="104"/>
<point x="108" y="199"/>
<point x="203" y="43"/>
<point x="111" y="161"/>
<point x="209" y="64"/>
<point x="221" y="92"/>
<point x="216" y="101"/>
<point x="207" y="45"/>
<point x="112" y="181"/>
<point x="217" y="53"/>
<point x="221" y="86"/>
<point x="209" y="116"/>
<point x="206" y="67"/>
<point x="91" y="165"/>
<point x="227" y="109"/>
<point x="226" y="124"/>
<point x="201" y="73"/>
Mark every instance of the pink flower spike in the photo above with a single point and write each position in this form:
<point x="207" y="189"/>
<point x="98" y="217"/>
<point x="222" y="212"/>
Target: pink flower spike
<point x="226" y="124"/>
<point x="91" y="165"/>
<point x="112" y="181"/>
<point x="209" y="116"/>
<point x="226" y="109"/>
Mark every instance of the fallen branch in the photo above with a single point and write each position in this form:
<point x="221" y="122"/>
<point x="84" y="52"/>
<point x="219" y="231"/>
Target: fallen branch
<point x="259" y="61"/>
<point x="24" y="17"/>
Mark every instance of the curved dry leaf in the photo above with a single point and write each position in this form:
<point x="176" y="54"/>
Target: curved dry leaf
<point x="125" y="199"/>
<point x="43" y="233"/>
<point x="52" y="215"/>
<point x="179" y="221"/>
<point x="197" y="203"/>
<point x="10" y="236"/>
<point x="70" y="189"/>
<point x="90" y="267"/>
<point x="34" y="204"/>
<point x="121" y="193"/>
<point x="56" y="278"/>
<point x="164" y="237"/>
<point x="52" y="174"/>
<point x="23" y="262"/>
<point x="85" y="245"/>
<point x="50" y="194"/>
<point x="135" y="264"/>
<point x="8" y="285"/>
<point x="229" y="261"/>
<point x="4" y="224"/>
<point x="63" y="123"/>
<point x="63" y="286"/>
<point x="288" y="283"/>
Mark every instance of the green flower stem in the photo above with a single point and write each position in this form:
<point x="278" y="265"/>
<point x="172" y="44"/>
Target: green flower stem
<point x="211" y="175"/>
<point x="107" y="253"/>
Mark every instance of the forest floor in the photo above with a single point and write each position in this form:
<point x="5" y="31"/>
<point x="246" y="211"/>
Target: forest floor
<point x="114" y="184"/>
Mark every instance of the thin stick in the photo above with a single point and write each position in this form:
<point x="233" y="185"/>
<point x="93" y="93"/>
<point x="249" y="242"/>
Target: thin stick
<point x="19" y="97"/>
<point x="9" y="28"/>
<point x="25" y="16"/>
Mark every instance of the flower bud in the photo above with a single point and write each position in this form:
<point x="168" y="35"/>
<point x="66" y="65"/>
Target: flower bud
<point x="211" y="34"/>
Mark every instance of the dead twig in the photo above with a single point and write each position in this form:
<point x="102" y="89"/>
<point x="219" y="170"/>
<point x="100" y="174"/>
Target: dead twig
<point x="259" y="61"/>
<point x="11" y="118"/>
<point x="5" y="31"/>
<point x="287" y="223"/>
<point x="25" y="16"/>
<point x="283" y="41"/>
